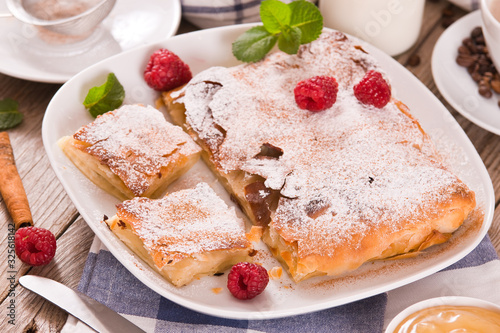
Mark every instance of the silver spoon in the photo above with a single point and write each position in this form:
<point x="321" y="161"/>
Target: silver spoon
<point x="79" y="24"/>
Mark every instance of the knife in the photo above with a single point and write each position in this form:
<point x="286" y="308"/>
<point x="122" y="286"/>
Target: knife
<point x="94" y="314"/>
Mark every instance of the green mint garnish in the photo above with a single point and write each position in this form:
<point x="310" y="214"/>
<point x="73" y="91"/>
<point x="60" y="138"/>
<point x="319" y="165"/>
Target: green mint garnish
<point x="106" y="97"/>
<point x="293" y="24"/>
<point x="9" y="114"/>
<point x="254" y="44"/>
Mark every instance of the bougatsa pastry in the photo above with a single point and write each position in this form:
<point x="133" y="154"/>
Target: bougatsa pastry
<point x="332" y="189"/>
<point x="131" y="151"/>
<point x="184" y="235"/>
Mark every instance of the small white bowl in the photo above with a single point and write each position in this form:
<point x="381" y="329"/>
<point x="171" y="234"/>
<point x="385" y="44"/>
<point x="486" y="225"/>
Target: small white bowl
<point x="445" y="300"/>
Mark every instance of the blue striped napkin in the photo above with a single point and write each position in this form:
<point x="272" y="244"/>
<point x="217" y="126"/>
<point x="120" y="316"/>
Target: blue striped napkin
<point x="106" y="280"/>
<point x="215" y="13"/>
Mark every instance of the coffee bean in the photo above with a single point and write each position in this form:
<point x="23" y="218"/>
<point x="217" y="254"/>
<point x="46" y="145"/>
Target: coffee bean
<point x="466" y="60"/>
<point x="463" y="50"/>
<point x="480" y="40"/>
<point x="476" y="76"/>
<point x="484" y="83"/>
<point x="414" y="60"/>
<point x="474" y="68"/>
<point x="485" y="91"/>
<point x="476" y="32"/>
<point x="447" y="12"/>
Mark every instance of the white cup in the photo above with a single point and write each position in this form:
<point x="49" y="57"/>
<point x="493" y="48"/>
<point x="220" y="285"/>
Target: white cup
<point x="491" y="29"/>
<point x="391" y="25"/>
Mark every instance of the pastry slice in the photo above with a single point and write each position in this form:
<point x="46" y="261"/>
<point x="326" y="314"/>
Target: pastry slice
<point x="131" y="152"/>
<point x="333" y="189"/>
<point x="185" y="235"/>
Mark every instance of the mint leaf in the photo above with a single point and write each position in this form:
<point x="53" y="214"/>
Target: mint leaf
<point x="275" y="15"/>
<point x="289" y="40"/>
<point x="254" y="44"/>
<point x="307" y="17"/>
<point x="10" y="119"/>
<point x="9" y="114"/>
<point x="293" y="24"/>
<point x="106" y="97"/>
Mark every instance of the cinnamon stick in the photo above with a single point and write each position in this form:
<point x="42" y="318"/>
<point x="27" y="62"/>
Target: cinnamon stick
<point x="11" y="186"/>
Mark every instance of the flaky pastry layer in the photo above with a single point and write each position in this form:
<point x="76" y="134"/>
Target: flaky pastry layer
<point x="132" y="151"/>
<point x="185" y="235"/>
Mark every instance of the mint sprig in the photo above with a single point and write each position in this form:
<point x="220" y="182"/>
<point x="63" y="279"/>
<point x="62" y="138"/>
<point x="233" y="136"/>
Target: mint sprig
<point x="293" y="24"/>
<point x="9" y="114"/>
<point x="106" y="97"/>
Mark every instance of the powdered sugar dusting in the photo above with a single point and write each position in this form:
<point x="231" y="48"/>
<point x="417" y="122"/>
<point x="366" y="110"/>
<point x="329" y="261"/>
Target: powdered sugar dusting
<point x="368" y="166"/>
<point x="135" y="142"/>
<point x="185" y="223"/>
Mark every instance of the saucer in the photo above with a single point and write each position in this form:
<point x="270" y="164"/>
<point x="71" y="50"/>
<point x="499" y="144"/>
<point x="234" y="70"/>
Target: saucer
<point x="453" y="81"/>
<point x="34" y="55"/>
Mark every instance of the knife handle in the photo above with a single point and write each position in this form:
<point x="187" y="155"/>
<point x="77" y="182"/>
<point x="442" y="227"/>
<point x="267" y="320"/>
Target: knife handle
<point x="11" y="186"/>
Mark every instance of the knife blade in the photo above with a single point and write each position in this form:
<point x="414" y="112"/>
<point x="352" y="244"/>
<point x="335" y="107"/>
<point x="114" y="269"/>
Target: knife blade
<point x="91" y="312"/>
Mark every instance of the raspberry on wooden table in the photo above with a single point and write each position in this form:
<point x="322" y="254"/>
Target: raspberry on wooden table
<point x="317" y="93"/>
<point x="246" y="280"/>
<point x="166" y="71"/>
<point x="373" y="90"/>
<point x="35" y="246"/>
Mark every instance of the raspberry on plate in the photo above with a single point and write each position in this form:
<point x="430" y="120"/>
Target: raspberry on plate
<point x="317" y="93"/>
<point x="35" y="246"/>
<point x="166" y="71"/>
<point x="373" y="90"/>
<point x="246" y="280"/>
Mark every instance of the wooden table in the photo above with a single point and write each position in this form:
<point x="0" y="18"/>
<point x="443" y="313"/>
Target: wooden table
<point x="52" y="208"/>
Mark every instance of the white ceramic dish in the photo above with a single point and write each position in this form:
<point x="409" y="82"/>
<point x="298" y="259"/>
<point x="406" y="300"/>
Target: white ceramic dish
<point x="453" y="81"/>
<point x="438" y="301"/>
<point x="24" y="54"/>
<point x="65" y="114"/>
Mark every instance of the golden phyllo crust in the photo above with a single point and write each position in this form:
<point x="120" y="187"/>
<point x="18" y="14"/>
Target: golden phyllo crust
<point x="184" y="235"/>
<point x="132" y="151"/>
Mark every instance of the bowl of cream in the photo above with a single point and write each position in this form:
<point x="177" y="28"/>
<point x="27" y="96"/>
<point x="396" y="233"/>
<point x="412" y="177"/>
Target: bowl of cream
<point x="447" y="314"/>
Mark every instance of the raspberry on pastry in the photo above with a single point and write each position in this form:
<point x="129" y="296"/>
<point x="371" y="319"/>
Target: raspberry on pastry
<point x="317" y="93"/>
<point x="373" y="90"/>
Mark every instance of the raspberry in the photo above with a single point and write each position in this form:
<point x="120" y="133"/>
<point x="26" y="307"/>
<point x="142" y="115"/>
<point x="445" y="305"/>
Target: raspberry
<point x="35" y="246"/>
<point x="373" y="90"/>
<point x="166" y="71"/>
<point x="317" y="93"/>
<point x="246" y="280"/>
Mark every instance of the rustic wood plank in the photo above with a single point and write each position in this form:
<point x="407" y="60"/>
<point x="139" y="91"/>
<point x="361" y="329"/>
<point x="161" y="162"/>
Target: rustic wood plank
<point x="31" y="310"/>
<point x="50" y="206"/>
